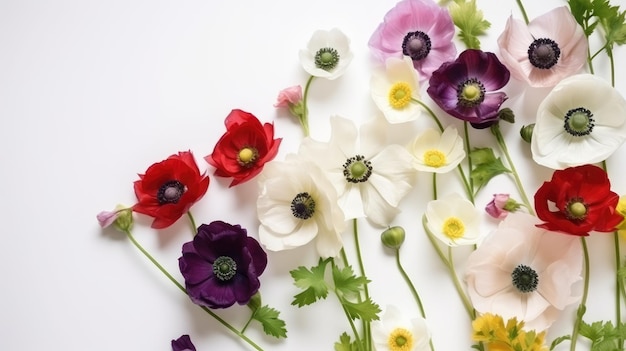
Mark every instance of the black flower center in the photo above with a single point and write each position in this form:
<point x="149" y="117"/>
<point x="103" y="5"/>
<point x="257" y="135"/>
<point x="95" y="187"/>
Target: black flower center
<point x="357" y="169"/>
<point x="170" y="192"/>
<point x="326" y="58"/>
<point x="576" y="209"/>
<point x="579" y="121"/>
<point x="416" y="45"/>
<point x="525" y="279"/>
<point x="544" y="53"/>
<point x="470" y="93"/>
<point x="224" y="268"/>
<point x="303" y="206"/>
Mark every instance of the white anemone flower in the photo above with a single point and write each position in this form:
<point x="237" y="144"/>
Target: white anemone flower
<point x="524" y="271"/>
<point x="327" y="54"/>
<point x="395" y="332"/>
<point x="393" y="87"/>
<point x="437" y="152"/>
<point x="454" y="220"/>
<point x="370" y="176"/>
<point x="581" y="121"/>
<point x="297" y="204"/>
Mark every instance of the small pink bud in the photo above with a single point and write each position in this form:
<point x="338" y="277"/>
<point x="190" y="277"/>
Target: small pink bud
<point x="289" y="96"/>
<point x="495" y="208"/>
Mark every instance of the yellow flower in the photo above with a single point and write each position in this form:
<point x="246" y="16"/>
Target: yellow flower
<point x="490" y="329"/>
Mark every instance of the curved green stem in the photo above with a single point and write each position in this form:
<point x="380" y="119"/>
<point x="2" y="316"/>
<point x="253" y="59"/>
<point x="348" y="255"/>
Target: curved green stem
<point x="469" y="160"/>
<point x="447" y="261"/>
<point x="194" y="227"/>
<point x="366" y="325"/>
<point x="182" y="288"/>
<point x="416" y="296"/>
<point x="518" y="182"/>
<point x="521" y="7"/>
<point x="304" y="120"/>
<point x="583" y="302"/>
<point x="430" y="112"/>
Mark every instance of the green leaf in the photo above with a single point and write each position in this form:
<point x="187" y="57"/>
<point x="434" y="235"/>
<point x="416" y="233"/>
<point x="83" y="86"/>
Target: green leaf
<point x="603" y="335"/>
<point x="312" y="282"/>
<point x="272" y="325"/>
<point x="470" y="21"/>
<point x="345" y="344"/>
<point x="365" y="310"/>
<point x="486" y="165"/>
<point x="346" y="282"/>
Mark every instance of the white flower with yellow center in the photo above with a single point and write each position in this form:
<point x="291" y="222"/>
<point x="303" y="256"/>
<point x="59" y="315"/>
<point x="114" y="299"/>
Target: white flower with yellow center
<point x="395" y="332"/>
<point x="437" y="152"/>
<point x="297" y="204"/>
<point x="454" y="220"/>
<point x="393" y="87"/>
<point x="327" y="54"/>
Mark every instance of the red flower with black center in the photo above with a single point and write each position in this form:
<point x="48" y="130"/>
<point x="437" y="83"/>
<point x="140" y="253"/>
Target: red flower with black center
<point x="169" y="188"/>
<point x="245" y="147"/>
<point x="578" y="200"/>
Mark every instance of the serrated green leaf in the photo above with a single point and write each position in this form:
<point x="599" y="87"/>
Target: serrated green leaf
<point x="346" y="282"/>
<point x="272" y="325"/>
<point x="345" y="344"/>
<point x="365" y="310"/>
<point x="483" y="173"/>
<point x="470" y="21"/>
<point x="312" y="282"/>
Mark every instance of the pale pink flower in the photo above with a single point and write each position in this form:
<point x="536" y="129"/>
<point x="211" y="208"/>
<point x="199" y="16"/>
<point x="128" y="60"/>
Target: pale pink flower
<point x="106" y="218"/>
<point x="420" y="29"/>
<point x="289" y="96"/>
<point x="519" y="272"/>
<point x="501" y="205"/>
<point x="552" y="47"/>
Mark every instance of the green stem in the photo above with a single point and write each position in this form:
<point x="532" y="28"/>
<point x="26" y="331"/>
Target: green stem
<point x="618" y="286"/>
<point x="357" y="338"/>
<point x="366" y="325"/>
<point x="521" y="7"/>
<point x="243" y="330"/>
<point x="416" y="296"/>
<point x="518" y="182"/>
<point x="434" y="186"/>
<point x="194" y="227"/>
<point x="583" y="302"/>
<point x="609" y="53"/>
<point x="430" y="112"/>
<point x="469" y="160"/>
<point x="304" y="120"/>
<point x="447" y="261"/>
<point x="182" y="288"/>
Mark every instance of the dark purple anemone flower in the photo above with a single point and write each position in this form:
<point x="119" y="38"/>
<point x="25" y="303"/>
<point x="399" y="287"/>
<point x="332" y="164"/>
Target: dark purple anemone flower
<point x="222" y="265"/>
<point x="183" y="344"/>
<point x="466" y="88"/>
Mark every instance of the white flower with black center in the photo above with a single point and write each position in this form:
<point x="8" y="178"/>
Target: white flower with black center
<point x="581" y="121"/>
<point x="297" y="204"/>
<point x="327" y="54"/>
<point x="369" y="175"/>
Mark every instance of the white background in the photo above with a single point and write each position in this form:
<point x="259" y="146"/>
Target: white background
<point x="93" y="92"/>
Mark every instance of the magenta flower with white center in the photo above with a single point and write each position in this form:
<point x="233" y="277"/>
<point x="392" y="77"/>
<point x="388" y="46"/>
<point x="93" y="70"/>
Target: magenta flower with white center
<point x="420" y="29"/>
<point x="547" y="50"/>
<point x="467" y="87"/>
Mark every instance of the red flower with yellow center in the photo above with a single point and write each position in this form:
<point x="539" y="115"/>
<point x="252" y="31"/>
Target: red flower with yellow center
<point x="169" y="188"/>
<point x="245" y="147"/>
<point x="578" y="200"/>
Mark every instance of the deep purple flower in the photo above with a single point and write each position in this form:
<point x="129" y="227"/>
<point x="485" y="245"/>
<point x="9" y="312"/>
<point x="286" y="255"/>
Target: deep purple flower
<point x="222" y="265"/>
<point x="466" y="88"/>
<point x="183" y="344"/>
<point x="420" y="29"/>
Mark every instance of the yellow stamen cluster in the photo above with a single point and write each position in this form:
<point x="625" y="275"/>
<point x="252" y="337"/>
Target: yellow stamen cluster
<point x="453" y="228"/>
<point x="434" y="158"/>
<point x="491" y="330"/>
<point x="247" y="156"/>
<point x="400" y="95"/>
<point x="400" y="339"/>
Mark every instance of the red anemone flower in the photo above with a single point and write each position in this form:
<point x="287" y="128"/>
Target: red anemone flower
<point x="245" y="147"/>
<point x="578" y="200"/>
<point x="169" y="188"/>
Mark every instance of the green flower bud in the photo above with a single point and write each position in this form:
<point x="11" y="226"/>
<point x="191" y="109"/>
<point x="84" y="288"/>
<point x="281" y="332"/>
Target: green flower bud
<point x="124" y="220"/>
<point x="393" y="237"/>
<point x="527" y="132"/>
<point x="255" y="301"/>
<point x="506" y="114"/>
